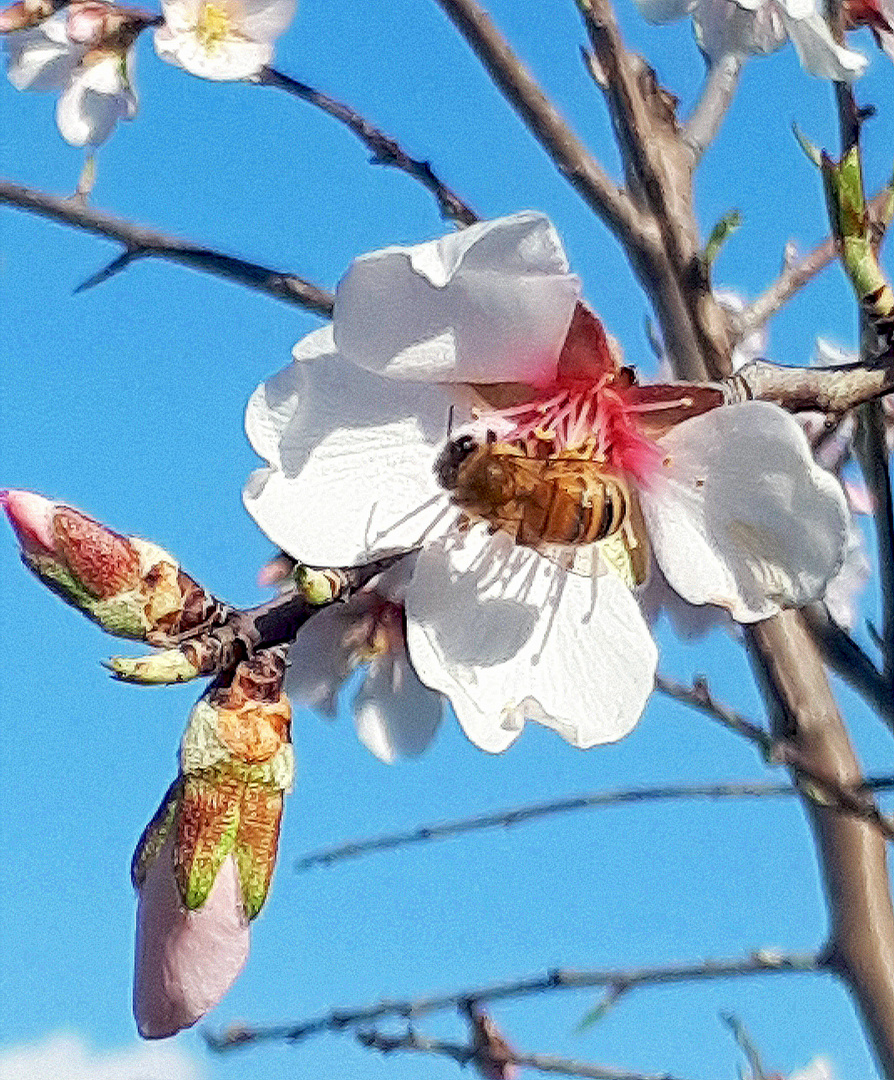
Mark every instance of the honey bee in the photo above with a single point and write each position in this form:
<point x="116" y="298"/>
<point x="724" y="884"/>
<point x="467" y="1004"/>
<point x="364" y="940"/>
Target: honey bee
<point x="562" y="500"/>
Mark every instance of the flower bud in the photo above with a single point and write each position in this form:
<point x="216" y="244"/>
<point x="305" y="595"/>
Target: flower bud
<point x="204" y="863"/>
<point x="24" y="15"/>
<point x="131" y="587"/>
<point x="160" y="669"/>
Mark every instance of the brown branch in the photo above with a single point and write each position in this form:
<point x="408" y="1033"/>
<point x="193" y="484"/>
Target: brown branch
<point x="385" y="150"/>
<point x="852" y="852"/>
<point x="794" y="277"/>
<point x="843" y="798"/>
<point x="848" y="660"/>
<point x="612" y="204"/>
<point x="464" y="1054"/>
<point x="140" y="241"/>
<point x="872" y="453"/>
<point x="659" y="167"/>
<point x="827" y="389"/>
<point x="755" y="789"/>
<point x="764" y="962"/>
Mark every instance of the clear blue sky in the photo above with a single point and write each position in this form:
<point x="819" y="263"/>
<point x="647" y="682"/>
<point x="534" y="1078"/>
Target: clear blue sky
<point x="127" y="401"/>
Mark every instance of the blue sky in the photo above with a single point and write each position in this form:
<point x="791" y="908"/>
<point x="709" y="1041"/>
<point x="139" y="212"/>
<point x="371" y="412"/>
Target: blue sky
<point x="127" y="401"/>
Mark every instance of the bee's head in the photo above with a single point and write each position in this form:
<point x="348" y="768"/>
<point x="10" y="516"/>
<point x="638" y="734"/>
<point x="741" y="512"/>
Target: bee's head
<point x="451" y="458"/>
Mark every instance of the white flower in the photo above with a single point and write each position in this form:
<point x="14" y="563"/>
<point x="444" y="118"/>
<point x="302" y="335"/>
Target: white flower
<point x="69" y="53"/>
<point x="394" y="713"/>
<point x="226" y="39"/>
<point x="745" y="27"/>
<point x="737" y="513"/>
<point x="818" y="1069"/>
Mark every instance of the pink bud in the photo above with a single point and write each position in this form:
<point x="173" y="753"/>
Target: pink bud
<point x="185" y="960"/>
<point x="31" y="516"/>
<point x="86" y="22"/>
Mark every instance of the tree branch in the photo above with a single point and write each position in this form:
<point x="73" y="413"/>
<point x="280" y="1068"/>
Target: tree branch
<point x="612" y="204"/>
<point x="141" y="241"/>
<point x="848" y="660"/>
<point x="764" y="962"/>
<point x="872" y="453"/>
<point x="795" y="277"/>
<point x="464" y="1054"/>
<point x="385" y="150"/>
<point x="852" y="853"/>
<point x="756" y="789"/>
<point x="848" y="798"/>
<point x="826" y="389"/>
<point x="721" y="82"/>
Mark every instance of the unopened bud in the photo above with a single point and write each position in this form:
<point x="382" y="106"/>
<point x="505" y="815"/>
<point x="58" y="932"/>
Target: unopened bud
<point x="23" y="16"/>
<point x="131" y="587"/>
<point x="161" y="669"/>
<point x="318" y="586"/>
<point x="204" y="863"/>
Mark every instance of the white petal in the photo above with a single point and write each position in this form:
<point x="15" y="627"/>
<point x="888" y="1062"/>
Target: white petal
<point x="725" y="27"/>
<point x="185" y="960"/>
<point x="491" y="303"/>
<point x="395" y="714"/>
<point x="819" y="53"/>
<point x="845" y="589"/>
<point x="230" y="59"/>
<point x="818" y="1069"/>
<point x="320" y="658"/>
<point x="97" y="97"/>
<point x="661" y="11"/>
<point x="507" y="636"/>
<point x="352" y="471"/>
<point x="740" y="515"/>
<point x="265" y="20"/>
<point x="37" y="62"/>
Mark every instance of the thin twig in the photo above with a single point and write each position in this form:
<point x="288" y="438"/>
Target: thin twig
<point x="721" y="81"/>
<point x="573" y="159"/>
<point x="763" y="962"/>
<point x="141" y="241"/>
<point x="463" y="1054"/>
<point x="849" y="661"/>
<point x="754" y="789"/>
<point x="384" y="149"/>
<point x="817" y="785"/>
<point x="795" y="277"/>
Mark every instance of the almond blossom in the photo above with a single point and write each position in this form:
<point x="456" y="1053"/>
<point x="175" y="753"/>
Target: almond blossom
<point x="753" y="27"/>
<point x="484" y="329"/>
<point x="394" y="713"/>
<point x="85" y="52"/>
<point x="225" y="39"/>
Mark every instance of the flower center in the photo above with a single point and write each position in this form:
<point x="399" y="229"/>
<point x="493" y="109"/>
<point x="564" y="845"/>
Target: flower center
<point x="591" y="421"/>
<point x="212" y="26"/>
<point x="379" y="632"/>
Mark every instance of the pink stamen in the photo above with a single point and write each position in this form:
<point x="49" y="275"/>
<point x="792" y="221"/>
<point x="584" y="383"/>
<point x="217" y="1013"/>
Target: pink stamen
<point x="592" y="420"/>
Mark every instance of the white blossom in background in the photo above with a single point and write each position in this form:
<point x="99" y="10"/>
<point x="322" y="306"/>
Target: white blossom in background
<point x="737" y="512"/>
<point x="818" y="1069"/>
<point x="394" y="713"/>
<point x="84" y="52"/>
<point x="223" y="39"/>
<point x="749" y="27"/>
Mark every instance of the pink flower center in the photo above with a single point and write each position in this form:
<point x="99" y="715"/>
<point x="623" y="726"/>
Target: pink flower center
<point x="379" y="631"/>
<point x="594" y="421"/>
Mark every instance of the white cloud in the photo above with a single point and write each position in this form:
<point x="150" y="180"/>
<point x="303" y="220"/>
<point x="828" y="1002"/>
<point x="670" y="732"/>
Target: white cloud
<point x="65" y="1056"/>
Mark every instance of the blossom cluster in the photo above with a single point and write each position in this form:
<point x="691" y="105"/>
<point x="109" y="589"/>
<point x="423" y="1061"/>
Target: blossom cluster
<point x="84" y="50"/>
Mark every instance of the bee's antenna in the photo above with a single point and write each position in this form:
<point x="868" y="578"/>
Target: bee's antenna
<point x="450" y="421"/>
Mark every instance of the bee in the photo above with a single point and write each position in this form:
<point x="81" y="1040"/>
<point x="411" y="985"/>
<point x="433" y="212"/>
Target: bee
<point x="563" y="499"/>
